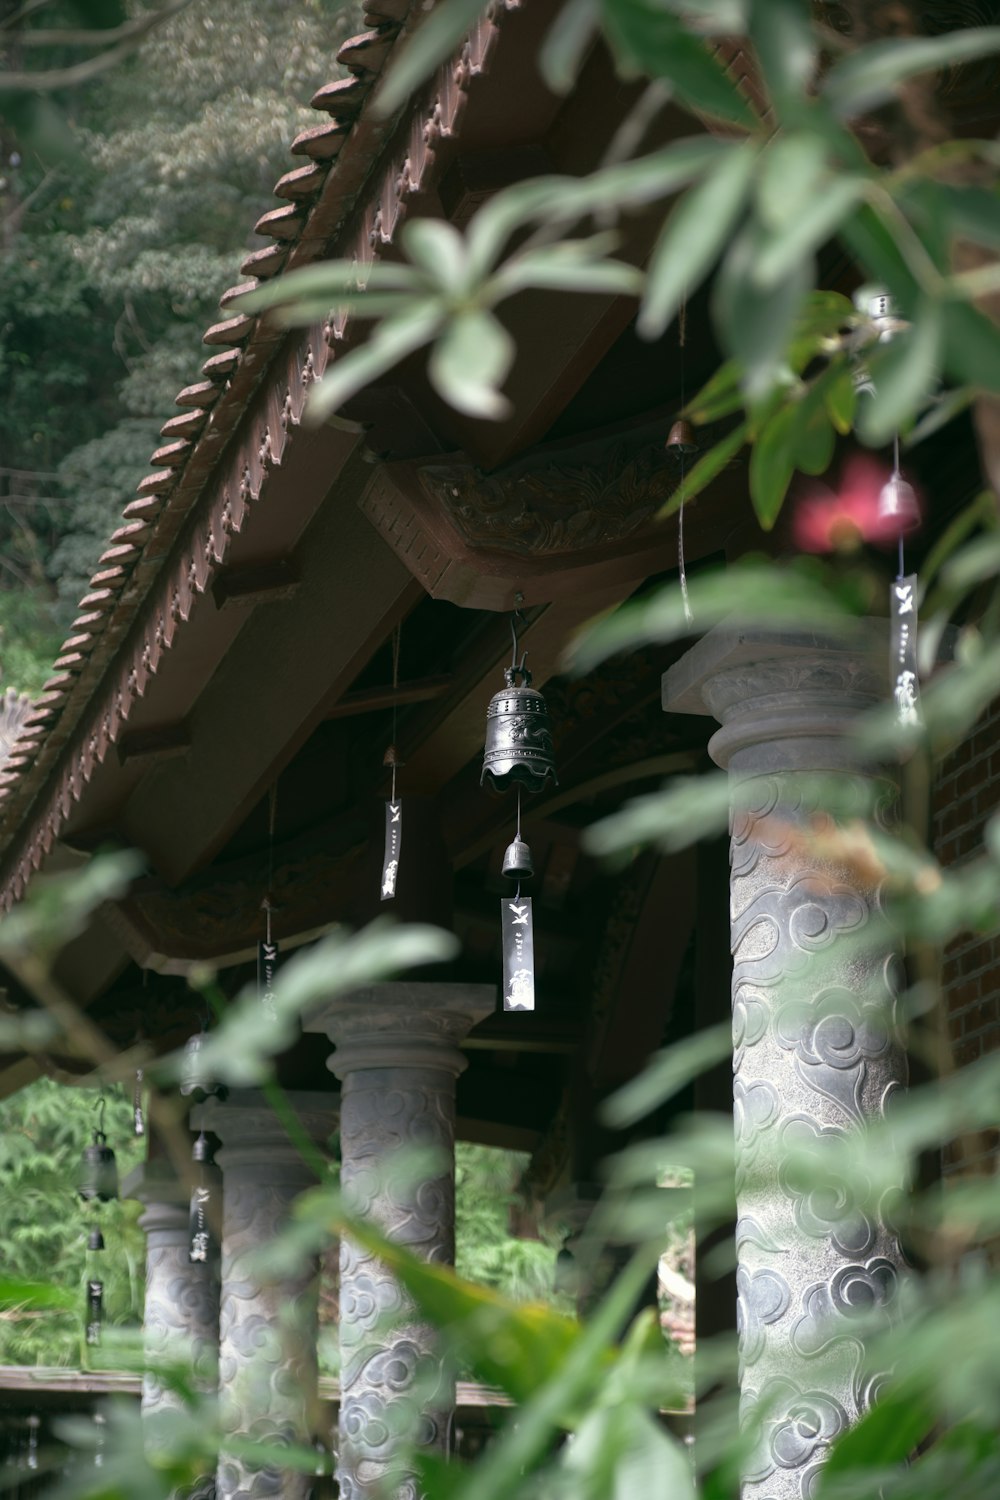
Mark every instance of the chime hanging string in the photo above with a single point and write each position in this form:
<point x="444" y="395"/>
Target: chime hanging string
<point x="272" y="814"/>
<point x="895" y="474"/>
<point x="681" y="566"/>
<point x="397" y="637"/>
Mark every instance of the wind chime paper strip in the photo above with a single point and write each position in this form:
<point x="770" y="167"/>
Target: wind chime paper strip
<point x="518" y="954"/>
<point x="95" y="1311"/>
<point x="905" y="684"/>
<point x="267" y="970"/>
<point x="393" y="843"/>
<point x="138" y="1118"/>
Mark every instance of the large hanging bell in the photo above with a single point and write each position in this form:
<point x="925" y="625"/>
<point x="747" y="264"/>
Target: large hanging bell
<point x="98" y="1171"/>
<point x="517" y="861"/>
<point x="194" y="1083"/>
<point x="898" y="506"/>
<point x="518" y="737"/>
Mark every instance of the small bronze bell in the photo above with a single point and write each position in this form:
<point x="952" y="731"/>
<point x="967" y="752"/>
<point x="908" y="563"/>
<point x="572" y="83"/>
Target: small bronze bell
<point x="681" y="438"/>
<point x="518" y="737"/>
<point x="517" y="861"/>
<point x="898" y="506"/>
<point x="95" y="1239"/>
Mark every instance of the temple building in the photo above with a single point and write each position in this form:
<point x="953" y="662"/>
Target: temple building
<point x="284" y="602"/>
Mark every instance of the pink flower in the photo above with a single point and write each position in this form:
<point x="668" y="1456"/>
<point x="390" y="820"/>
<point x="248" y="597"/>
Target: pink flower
<point x="840" y="522"/>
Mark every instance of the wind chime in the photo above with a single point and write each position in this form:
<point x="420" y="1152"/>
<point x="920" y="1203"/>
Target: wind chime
<point x="681" y="444"/>
<point x="202" y="1240"/>
<point x="518" y="755"/>
<point x="98" y="1183"/>
<point x="394" y="806"/>
<point x="267" y="948"/>
<point x="898" y="514"/>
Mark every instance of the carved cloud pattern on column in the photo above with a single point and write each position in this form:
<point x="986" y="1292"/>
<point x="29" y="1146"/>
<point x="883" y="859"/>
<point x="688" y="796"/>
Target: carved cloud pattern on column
<point x="815" y="1054"/>
<point x="267" y="1324"/>
<point x="397" y="1056"/>
<point x="181" y="1313"/>
<point x="383" y="1370"/>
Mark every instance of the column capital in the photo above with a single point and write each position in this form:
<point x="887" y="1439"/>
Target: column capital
<point x="786" y="699"/>
<point x="405" y="1024"/>
<point x="164" y="1198"/>
<point x="254" y="1138"/>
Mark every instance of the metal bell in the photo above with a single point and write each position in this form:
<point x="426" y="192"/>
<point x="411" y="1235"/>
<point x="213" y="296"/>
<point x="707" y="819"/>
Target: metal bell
<point x="518" y="737"/>
<point x="95" y="1239"/>
<point x="517" y="861"/>
<point x="681" y="438"/>
<point x="193" y="1082"/>
<point x="98" y="1171"/>
<point x="898" y="506"/>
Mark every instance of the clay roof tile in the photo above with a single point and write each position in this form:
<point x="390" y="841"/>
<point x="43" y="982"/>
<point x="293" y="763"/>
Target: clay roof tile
<point x="301" y="182"/>
<point x="343" y="97"/>
<point x="186" y="424"/>
<point x="221" y="366"/>
<point x="266" y="262"/>
<point x="280" y="223"/>
<point x="229" y="331"/>
<point x="202" y="393"/>
<point x="157" y="483"/>
<point x="170" y="453"/>
<point x="321" y="142"/>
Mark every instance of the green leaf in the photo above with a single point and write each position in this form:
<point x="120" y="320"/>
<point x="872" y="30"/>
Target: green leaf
<point x="973" y="213"/>
<point x="329" y="282"/>
<point x="840" y="398"/>
<point x="719" y="397"/>
<point x="439" y="250"/>
<point x="749" y="594"/>
<point x="391" y="341"/>
<point x="673" y="1069"/>
<point x="693" y="236"/>
<point x="791" y="169"/>
<point x="772" y="463"/>
<point x="558" y="268"/>
<point x="887" y="1434"/>
<point x="566" y="42"/>
<point x="871" y="241"/>
<point x="428" y="46"/>
<point x="971" y="347"/>
<point x="632" y="184"/>
<point x="652" y="42"/>
<point x="783" y="36"/>
<point x="784" y="250"/>
<point x="39" y="1296"/>
<point x="240" y="1049"/>
<point x="867" y="78"/>
<point x="755" y="323"/>
<point x="904" y="373"/>
<point x="469" y="361"/>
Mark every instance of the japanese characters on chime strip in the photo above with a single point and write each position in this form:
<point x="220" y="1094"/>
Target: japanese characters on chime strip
<point x="394" y="806"/>
<point x="518" y="755"/>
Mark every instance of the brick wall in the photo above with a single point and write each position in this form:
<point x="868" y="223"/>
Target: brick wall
<point x="966" y="794"/>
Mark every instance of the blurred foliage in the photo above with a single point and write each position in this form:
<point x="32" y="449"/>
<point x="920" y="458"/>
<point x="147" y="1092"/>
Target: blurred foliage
<point x="753" y="206"/>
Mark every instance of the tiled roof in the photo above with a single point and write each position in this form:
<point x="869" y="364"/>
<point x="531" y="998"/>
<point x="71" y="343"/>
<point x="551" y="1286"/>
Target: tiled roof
<point x="131" y="612"/>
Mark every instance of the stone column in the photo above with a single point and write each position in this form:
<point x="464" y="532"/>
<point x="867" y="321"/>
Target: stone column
<point x="181" y="1319"/>
<point x="815" y="1049"/>
<point x="267" y="1325"/>
<point x="397" y="1058"/>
